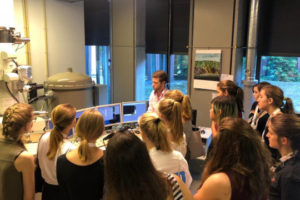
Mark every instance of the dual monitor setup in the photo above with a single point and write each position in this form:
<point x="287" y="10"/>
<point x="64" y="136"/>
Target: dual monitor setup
<point x="118" y="113"/>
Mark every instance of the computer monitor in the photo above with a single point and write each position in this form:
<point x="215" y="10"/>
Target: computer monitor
<point x="133" y="110"/>
<point x="80" y="112"/>
<point x="111" y="113"/>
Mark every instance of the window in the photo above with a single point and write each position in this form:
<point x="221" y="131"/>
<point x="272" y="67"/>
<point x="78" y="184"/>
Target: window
<point x="179" y="72"/>
<point x="144" y="73"/>
<point x="98" y="65"/>
<point x="283" y="72"/>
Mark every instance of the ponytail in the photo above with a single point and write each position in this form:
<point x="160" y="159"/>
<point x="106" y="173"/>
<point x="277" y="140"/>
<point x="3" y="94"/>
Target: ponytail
<point x="90" y="126"/>
<point x="185" y="101"/>
<point x="62" y="116"/>
<point x="84" y="150"/>
<point x="155" y="130"/>
<point x="288" y="107"/>
<point x="186" y="108"/>
<point x="56" y="138"/>
<point x="171" y="110"/>
<point x="177" y="126"/>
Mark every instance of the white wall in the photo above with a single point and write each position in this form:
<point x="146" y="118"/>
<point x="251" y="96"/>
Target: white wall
<point x="63" y="45"/>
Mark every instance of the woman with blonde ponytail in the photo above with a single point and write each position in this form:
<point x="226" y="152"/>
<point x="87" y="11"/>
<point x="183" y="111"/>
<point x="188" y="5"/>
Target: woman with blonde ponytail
<point x="16" y="164"/>
<point x="186" y="108"/>
<point x="80" y="173"/>
<point x="169" y="111"/>
<point x="53" y="144"/>
<point x="164" y="158"/>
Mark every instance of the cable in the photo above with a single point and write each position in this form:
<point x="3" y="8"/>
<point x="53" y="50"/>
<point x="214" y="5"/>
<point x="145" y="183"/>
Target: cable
<point x="11" y="94"/>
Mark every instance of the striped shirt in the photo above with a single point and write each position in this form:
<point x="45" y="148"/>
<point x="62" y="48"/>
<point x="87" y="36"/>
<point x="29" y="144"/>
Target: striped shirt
<point x="177" y="194"/>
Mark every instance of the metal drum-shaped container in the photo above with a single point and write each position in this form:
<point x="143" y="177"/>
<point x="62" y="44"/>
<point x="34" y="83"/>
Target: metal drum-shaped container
<point x="70" y="87"/>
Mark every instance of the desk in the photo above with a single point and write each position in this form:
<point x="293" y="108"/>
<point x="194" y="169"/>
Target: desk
<point x="34" y="138"/>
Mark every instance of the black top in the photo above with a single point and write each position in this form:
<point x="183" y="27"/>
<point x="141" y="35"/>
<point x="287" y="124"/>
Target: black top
<point x="80" y="182"/>
<point x="261" y="121"/>
<point x="286" y="183"/>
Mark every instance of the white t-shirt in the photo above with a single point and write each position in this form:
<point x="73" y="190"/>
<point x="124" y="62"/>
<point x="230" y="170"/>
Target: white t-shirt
<point x="181" y="147"/>
<point x="48" y="167"/>
<point x="171" y="162"/>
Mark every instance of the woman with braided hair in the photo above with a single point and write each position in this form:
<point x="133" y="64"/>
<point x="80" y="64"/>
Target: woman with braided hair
<point x="164" y="158"/>
<point x="16" y="164"/>
<point x="53" y="144"/>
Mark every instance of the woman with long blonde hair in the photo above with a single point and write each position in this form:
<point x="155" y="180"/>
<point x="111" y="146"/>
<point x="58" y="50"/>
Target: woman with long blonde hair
<point x="80" y="173"/>
<point x="53" y="144"/>
<point x="169" y="111"/>
<point x="164" y="158"/>
<point x="16" y="163"/>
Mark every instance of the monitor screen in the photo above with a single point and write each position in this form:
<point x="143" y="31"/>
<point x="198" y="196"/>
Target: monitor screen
<point x="111" y="113"/>
<point x="80" y="112"/>
<point x="133" y="110"/>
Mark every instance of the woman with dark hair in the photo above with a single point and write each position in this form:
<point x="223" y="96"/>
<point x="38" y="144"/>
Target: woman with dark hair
<point x="284" y="135"/>
<point x="53" y="144"/>
<point x="272" y="100"/>
<point x="80" y="173"/>
<point x="221" y="107"/>
<point x="258" y="118"/>
<point x="239" y="168"/>
<point x="230" y="88"/>
<point x="130" y="174"/>
<point x="16" y="164"/>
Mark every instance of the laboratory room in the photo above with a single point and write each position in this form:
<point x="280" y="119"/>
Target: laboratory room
<point x="149" y="99"/>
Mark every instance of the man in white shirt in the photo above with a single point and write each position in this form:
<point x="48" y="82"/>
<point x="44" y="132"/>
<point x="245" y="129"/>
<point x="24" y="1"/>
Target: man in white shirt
<point x="159" y="81"/>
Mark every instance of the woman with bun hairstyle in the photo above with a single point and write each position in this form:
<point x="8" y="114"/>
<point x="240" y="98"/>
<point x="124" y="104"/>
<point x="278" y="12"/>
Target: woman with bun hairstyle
<point x="258" y="118"/>
<point x="272" y="100"/>
<point x="16" y="163"/>
<point x="284" y="135"/>
<point x="169" y="111"/>
<point x="80" y="173"/>
<point x="53" y="144"/>
<point x="164" y="158"/>
<point x="230" y="88"/>
<point x="130" y="174"/>
<point x="239" y="168"/>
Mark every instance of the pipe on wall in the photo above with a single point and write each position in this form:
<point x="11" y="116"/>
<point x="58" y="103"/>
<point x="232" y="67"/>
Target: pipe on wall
<point x="250" y="72"/>
<point x="26" y="30"/>
<point x="46" y="39"/>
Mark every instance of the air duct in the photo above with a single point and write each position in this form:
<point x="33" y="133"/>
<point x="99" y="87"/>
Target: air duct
<point x="250" y="72"/>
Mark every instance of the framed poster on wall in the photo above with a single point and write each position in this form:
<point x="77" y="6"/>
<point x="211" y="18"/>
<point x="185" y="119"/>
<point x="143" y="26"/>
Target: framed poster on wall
<point x="207" y="69"/>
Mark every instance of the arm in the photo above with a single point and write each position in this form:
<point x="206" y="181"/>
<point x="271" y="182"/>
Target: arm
<point x="25" y="164"/>
<point x="216" y="187"/>
<point x="187" y="195"/>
